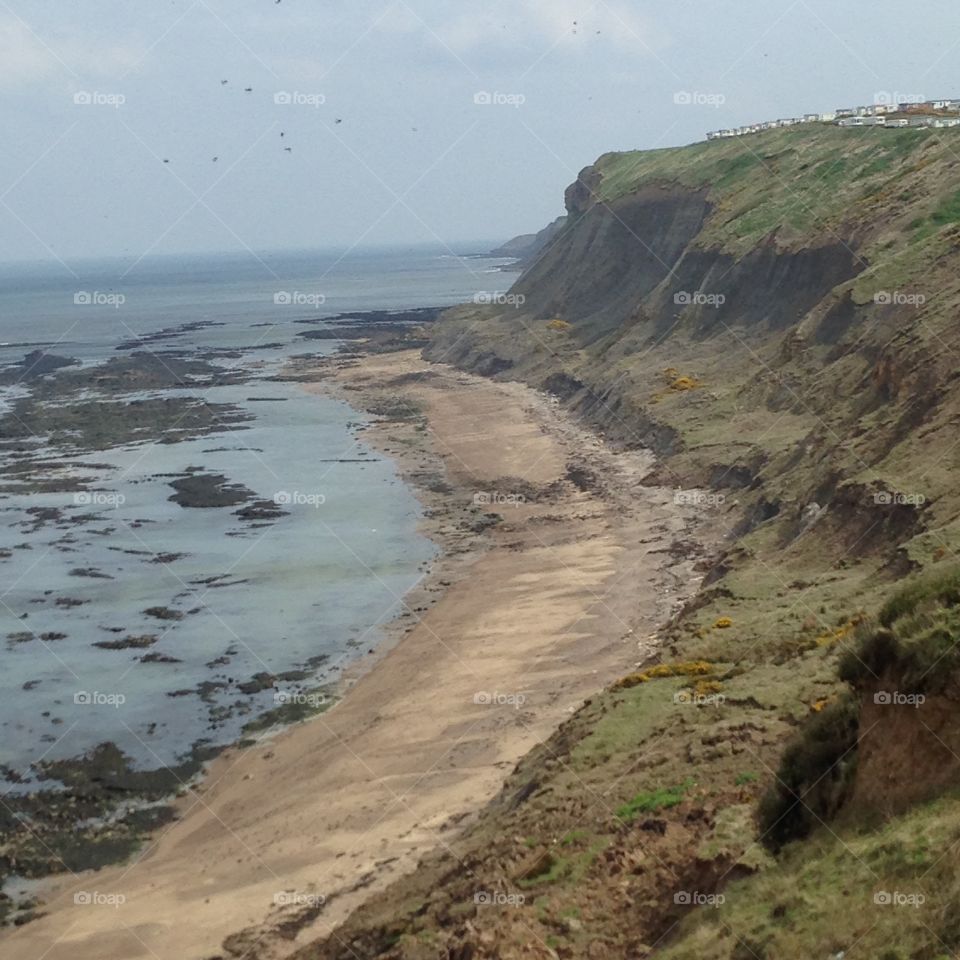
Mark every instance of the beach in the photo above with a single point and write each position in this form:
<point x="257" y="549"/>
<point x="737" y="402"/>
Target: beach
<point x="556" y="565"/>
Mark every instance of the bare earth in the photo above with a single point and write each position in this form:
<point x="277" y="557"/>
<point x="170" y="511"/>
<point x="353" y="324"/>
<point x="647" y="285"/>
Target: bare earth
<point x="512" y="629"/>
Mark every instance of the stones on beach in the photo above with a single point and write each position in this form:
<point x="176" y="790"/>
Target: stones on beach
<point x="163" y="613"/>
<point x="261" y="510"/>
<point x="128" y="643"/>
<point x="92" y="572"/>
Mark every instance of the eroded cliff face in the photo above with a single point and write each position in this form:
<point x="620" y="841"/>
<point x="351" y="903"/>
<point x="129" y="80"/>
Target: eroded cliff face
<point x="784" y="367"/>
<point x="598" y="270"/>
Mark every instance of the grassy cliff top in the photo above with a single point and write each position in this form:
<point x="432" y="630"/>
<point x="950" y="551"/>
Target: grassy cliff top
<point x="804" y="179"/>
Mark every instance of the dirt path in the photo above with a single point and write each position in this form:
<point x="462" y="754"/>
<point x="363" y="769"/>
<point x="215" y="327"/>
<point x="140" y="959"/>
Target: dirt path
<point x="514" y="627"/>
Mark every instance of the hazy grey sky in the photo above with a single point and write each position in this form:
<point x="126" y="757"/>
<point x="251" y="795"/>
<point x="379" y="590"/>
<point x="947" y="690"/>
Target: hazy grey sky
<point x="415" y="158"/>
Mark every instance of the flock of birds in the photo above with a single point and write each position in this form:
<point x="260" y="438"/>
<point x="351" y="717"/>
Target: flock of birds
<point x="223" y="83"/>
<point x="337" y="120"/>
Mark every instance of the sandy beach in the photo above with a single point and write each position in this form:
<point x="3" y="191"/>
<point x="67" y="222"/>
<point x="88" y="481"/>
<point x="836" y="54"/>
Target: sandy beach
<point x="556" y="565"/>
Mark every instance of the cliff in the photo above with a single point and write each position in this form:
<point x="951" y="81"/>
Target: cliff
<point x="776" y="318"/>
<point x="528" y="245"/>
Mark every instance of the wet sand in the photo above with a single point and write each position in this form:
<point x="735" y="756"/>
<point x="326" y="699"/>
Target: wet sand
<point x="515" y="625"/>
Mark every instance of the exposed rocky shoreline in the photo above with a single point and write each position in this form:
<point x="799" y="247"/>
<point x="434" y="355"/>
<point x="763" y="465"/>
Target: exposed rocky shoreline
<point x="98" y="808"/>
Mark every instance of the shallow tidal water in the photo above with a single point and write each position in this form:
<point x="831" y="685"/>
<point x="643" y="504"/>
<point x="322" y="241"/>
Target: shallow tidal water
<point x="306" y="591"/>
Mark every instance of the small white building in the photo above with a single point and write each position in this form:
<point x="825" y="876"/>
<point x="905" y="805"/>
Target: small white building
<point x="921" y="121"/>
<point x="828" y="117"/>
<point x="843" y="112"/>
<point x="897" y="122"/>
<point x="947" y="122"/>
<point x="861" y="122"/>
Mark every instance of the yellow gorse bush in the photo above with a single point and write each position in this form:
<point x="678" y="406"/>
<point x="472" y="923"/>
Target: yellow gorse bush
<point x="660" y="671"/>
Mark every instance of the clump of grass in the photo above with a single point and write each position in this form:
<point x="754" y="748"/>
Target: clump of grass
<point x="948" y="211"/>
<point x="660" y="799"/>
<point x="916" y="640"/>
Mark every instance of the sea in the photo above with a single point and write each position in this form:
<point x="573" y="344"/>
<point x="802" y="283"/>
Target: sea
<point x="302" y="595"/>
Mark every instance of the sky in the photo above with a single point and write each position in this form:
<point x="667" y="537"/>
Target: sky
<point x="371" y="122"/>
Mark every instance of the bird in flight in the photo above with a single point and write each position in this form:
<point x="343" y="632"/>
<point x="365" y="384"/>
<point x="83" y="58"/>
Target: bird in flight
<point x="248" y="89"/>
<point x="288" y="149"/>
<point x="223" y="83"/>
<point x="215" y="159"/>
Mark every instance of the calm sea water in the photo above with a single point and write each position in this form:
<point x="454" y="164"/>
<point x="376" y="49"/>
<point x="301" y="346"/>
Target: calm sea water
<point x="319" y="582"/>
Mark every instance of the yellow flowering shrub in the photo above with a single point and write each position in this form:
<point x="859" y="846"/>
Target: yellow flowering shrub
<point x="660" y="671"/>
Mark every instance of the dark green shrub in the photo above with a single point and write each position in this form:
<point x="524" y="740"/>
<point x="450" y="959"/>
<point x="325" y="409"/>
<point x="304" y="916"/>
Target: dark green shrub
<point x="815" y="775"/>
